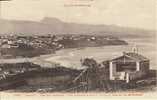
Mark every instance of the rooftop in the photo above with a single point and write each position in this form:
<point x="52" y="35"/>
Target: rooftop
<point x="134" y="56"/>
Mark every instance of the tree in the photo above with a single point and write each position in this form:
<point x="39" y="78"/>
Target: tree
<point x="93" y="77"/>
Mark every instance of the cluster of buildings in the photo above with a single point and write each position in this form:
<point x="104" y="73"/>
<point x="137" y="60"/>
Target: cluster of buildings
<point x="12" y="45"/>
<point x="11" y="67"/>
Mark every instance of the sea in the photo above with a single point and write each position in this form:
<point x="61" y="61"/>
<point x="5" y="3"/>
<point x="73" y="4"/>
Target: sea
<point x="71" y="58"/>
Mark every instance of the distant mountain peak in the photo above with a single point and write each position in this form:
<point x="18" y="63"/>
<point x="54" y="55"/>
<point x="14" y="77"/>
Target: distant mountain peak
<point x="51" y="20"/>
<point x="57" y="26"/>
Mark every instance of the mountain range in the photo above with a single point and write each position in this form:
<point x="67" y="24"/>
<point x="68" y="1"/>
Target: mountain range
<point x="55" y="26"/>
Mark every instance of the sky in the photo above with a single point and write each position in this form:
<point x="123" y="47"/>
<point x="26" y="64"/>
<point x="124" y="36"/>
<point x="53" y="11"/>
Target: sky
<point x="128" y="13"/>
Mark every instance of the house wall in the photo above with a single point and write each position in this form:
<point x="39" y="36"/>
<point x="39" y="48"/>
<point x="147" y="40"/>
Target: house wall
<point x="112" y="70"/>
<point x="144" y="66"/>
<point x="142" y="69"/>
<point x="136" y="75"/>
<point x="137" y="66"/>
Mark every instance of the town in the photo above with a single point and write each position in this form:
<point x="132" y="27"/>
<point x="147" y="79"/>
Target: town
<point x="15" y="46"/>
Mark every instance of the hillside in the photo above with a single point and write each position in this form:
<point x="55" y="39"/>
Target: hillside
<point x="56" y="26"/>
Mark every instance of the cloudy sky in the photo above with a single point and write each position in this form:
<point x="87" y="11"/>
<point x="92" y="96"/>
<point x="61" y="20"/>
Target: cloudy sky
<point x="129" y="13"/>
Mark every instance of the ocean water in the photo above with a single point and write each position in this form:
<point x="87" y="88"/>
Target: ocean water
<point x="71" y="57"/>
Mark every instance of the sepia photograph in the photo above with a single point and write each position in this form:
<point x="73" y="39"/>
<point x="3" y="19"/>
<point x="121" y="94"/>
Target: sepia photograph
<point x="78" y="46"/>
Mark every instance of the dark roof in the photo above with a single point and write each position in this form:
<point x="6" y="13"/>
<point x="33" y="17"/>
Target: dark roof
<point x="134" y="56"/>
